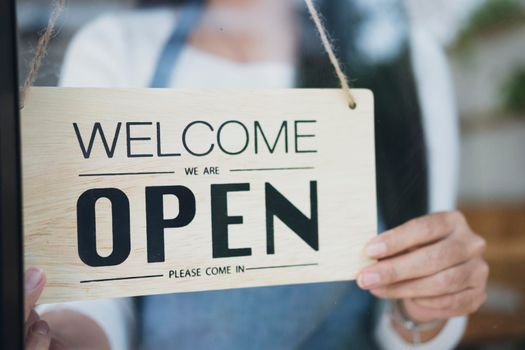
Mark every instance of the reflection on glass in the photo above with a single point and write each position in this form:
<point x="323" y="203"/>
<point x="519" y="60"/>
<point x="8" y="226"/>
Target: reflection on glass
<point x="390" y="47"/>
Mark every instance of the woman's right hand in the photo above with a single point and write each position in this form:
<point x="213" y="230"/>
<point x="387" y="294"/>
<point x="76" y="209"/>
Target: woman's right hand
<point x="37" y="334"/>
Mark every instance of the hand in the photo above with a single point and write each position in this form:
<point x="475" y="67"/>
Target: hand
<point x="37" y="335"/>
<point x="62" y="329"/>
<point x="433" y="263"/>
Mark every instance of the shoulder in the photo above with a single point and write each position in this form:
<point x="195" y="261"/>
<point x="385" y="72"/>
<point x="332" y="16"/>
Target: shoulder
<point x="117" y="49"/>
<point x="126" y="25"/>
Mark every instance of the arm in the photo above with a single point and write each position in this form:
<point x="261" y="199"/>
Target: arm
<point x="96" y="55"/>
<point x="441" y="129"/>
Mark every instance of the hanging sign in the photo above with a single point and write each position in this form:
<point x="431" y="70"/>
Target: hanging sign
<point x="146" y="191"/>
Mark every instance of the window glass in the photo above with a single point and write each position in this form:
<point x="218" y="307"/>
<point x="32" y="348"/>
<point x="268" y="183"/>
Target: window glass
<point x="449" y="84"/>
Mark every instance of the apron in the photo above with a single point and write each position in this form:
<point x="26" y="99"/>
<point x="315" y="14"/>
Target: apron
<point x="315" y="316"/>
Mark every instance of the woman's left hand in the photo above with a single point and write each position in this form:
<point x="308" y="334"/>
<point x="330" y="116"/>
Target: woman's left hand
<point x="433" y="263"/>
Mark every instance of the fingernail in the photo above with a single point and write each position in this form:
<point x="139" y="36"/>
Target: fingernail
<point x="33" y="278"/>
<point x="369" y="279"/>
<point x="376" y="249"/>
<point x="41" y="328"/>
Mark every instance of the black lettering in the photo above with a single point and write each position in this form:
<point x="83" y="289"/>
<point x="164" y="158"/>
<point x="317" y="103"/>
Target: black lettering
<point x="86" y="227"/>
<point x="297" y="136"/>
<point x="184" y="134"/>
<point x="245" y="132"/>
<point x="159" y="143"/>
<point x="220" y="220"/>
<point x="191" y="171"/>
<point x="155" y="221"/>
<point x="97" y="128"/>
<point x="129" y="139"/>
<point x="284" y="128"/>
<point x="278" y="205"/>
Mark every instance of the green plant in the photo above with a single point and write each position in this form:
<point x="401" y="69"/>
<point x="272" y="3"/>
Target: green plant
<point x="514" y="93"/>
<point x="492" y="15"/>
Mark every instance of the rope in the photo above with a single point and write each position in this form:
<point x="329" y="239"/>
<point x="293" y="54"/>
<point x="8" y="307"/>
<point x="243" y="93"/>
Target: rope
<point x="41" y="48"/>
<point x="58" y="6"/>
<point x="345" y="86"/>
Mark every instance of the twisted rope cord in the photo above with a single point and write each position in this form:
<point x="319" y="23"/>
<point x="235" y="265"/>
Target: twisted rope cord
<point x="41" y="48"/>
<point x="343" y="80"/>
<point x="58" y="6"/>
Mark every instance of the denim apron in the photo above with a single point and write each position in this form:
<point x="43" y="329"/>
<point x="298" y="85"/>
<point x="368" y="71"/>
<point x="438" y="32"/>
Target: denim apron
<point x="312" y="316"/>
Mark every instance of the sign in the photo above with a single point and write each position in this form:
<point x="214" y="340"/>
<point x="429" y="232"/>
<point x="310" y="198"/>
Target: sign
<point x="145" y="191"/>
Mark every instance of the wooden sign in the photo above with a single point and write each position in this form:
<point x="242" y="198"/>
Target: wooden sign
<point x="145" y="191"/>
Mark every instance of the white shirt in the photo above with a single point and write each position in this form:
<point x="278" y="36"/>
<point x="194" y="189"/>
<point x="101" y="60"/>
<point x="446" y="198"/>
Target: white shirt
<point x="121" y="50"/>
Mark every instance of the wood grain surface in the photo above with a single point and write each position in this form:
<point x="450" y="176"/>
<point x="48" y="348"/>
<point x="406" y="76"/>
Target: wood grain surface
<point x="323" y="142"/>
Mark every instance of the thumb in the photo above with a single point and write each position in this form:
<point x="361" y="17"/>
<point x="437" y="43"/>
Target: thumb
<point x="34" y="281"/>
<point x="39" y="338"/>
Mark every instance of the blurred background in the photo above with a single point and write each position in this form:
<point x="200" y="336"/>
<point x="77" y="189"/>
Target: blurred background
<point x="484" y="41"/>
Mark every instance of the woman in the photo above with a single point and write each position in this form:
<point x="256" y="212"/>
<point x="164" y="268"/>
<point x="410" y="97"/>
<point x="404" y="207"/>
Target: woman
<point x="431" y="263"/>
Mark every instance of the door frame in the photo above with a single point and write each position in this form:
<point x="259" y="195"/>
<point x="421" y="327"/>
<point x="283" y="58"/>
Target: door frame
<point x="11" y="253"/>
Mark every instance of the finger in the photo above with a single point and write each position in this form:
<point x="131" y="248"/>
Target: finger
<point x="452" y="280"/>
<point x="464" y="302"/>
<point x="39" y="338"/>
<point x="34" y="281"/>
<point x="419" y="263"/>
<point x="414" y="233"/>
<point x="33" y="317"/>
